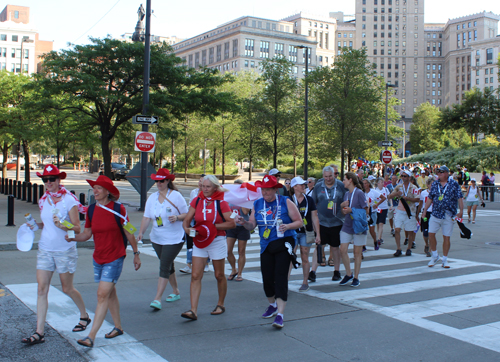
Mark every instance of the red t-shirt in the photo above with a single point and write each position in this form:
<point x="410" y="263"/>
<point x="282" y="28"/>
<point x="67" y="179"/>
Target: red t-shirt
<point x="211" y="212"/>
<point x="108" y="239"/>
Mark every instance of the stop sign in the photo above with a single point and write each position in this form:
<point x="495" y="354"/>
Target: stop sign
<point x="145" y="141"/>
<point x="386" y="157"/>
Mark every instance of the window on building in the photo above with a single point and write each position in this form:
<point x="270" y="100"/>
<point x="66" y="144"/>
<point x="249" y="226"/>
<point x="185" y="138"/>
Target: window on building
<point x="219" y="53"/>
<point x="3" y="37"/>
<point x="235" y="48"/>
<point x="226" y="50"/>
<point x="292" y="53"/>
<point x="197" y="59"/>
<point x="16" y="14"/>
<point x="249" y="48"/>
<point x="264" y="49"/>
<point x="489" y="56"/>
<point x="279" y="49"/>
<point x="210" y="55"/>
<point x="15" y="38"/>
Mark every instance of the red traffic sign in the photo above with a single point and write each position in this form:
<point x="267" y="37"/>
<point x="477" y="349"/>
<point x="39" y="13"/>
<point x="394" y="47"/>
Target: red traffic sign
<point x="145" y="141"/>
<point x="386" y="157"/>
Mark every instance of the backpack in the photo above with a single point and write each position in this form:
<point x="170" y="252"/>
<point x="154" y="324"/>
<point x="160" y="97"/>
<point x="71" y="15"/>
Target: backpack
<point x="219" y="210"/>
<point x="116" y="208"/>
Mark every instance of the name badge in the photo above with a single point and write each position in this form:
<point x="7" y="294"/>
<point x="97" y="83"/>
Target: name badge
<point x="67" y="224"/>
<point x="129" y="227"/>
<point x="330" y="205"/>
<point x="159" y="221"/>
<point x="266" y="233"/>
<point x="440" y="198"/>
<point x="304" y="221"/>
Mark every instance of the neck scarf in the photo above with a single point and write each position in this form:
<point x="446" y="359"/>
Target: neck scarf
<point x="217" y="195"/>
<point x="60" y="193"/>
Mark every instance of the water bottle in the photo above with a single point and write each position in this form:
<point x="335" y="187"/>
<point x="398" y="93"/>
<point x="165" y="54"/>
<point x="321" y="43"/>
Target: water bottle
<point x="31" y="221"/>
<point x="279" y="233"/>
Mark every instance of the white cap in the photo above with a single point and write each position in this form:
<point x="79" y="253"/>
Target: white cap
<point x="423" y="171"/>
<point x="371" y="177"/>
<point x="408" y="173"/>
<point x="473" y="180"/>
<point x="273" y="171"/>
<point x="298" y="181"/>
<point x="25" y="237"/>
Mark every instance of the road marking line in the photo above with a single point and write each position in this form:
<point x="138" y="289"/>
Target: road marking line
<point x="62" y="311"/>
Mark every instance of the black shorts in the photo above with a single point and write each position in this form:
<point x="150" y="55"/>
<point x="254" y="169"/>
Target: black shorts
<point x="238" y="233"/>
<point x="330" y="235"/>
<point x="382" y="216"/>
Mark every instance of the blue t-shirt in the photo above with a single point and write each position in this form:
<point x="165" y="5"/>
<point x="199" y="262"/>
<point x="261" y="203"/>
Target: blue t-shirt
<point x="265" y="215"/>
<point x="450" y="193"/>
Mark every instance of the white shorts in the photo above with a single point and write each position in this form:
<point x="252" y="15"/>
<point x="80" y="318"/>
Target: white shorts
<point x="401" y="221"/>
<point x="356" y="239"/>
<point x="217" y="250"/>
<point x="446" y="225"/>
<point x="390" y="214"/>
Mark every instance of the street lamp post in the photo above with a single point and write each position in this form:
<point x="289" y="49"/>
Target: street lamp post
<point x="306" y="107"/>
<point x="387" y="86"/>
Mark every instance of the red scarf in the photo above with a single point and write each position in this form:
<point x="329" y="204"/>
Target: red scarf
<point x="217" y="195"/>
<point x="62" y="191"/>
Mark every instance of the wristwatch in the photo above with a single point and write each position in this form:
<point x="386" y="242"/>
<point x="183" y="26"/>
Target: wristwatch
<point x="137" y="252"/>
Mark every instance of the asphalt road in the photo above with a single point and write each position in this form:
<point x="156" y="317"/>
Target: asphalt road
<point x="403" y="309"/>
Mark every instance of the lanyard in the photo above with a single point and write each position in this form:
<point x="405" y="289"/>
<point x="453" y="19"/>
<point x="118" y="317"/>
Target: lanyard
<point x="352" y="195"/>
<point x="117" y="214"/>
<point x="297" y="202"/>
<point x="334" y="192"/>
<point x="278" y="212"/>
<point x="408" y="189"/>
<point x="162" y="204"/>
<point x="444" y="191"/>
<point x="204" y="211"/>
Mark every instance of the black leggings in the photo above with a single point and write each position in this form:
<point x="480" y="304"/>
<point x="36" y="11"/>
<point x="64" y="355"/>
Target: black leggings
<point x="167" y="255"/>
<point x="274" y="265"/>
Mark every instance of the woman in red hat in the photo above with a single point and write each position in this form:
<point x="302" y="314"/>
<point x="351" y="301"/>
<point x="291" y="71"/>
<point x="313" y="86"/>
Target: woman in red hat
<point x="107" y="221"/>
<point x="57" y="206"/>
<point x="277" y="218"/>
<point x="166" y="208"/>
<point x="209" y="240"/>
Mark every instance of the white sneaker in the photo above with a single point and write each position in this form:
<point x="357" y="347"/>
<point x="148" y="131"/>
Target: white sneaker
<point x="186" y="270"/>
<point x="445" y="264"/>
<point x="434" y="261"/>
<point x="206" y="269"/>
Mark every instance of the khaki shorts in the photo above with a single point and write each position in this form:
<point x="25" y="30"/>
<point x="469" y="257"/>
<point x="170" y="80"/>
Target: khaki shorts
<point x="62" y="261"/>
<point x="446" y="225"/>
<point x="390" y="214"/>
<point x="356" y="239"/>
<point x="401" y="221"/>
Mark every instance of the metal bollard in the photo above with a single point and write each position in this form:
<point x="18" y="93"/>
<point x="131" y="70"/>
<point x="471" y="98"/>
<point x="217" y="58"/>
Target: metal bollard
<point x="492" y="193"/>
<point x="1" y="185"/>
<point x="10" y="211"/>
<point x="25" y="184"/>
<point x="28" y="199"/>
<point x="19" y="190"/>
<point x="35" y="194"/>
<point x="5" y="186"/>
<point x="14" y="188"/>
<point x="40" y="191"/>
<point x="10" y="187"/>
<point x="82" y="201"/>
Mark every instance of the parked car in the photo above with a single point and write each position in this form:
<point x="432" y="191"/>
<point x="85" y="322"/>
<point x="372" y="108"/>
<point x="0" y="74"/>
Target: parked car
<point x="118" y="170"/>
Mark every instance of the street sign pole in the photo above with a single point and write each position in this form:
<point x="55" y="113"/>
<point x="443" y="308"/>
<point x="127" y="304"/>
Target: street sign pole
<point x="145" y="103"/>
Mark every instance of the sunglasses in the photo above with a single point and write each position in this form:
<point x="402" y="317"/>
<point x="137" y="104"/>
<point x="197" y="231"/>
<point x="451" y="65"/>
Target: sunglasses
<point x="336" y="173"/>
<point x="47" y="179"/>
<point x="160" y="181"/>
<point x="309" y="182"/>
<point x="404" y="176"/>
<point x="287" y="183"/>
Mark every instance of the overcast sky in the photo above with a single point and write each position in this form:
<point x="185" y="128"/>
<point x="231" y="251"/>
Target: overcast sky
<point x="69" y="21"/>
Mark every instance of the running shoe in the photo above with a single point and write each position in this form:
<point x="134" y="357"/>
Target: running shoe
<point x="434" y="261"/>
<point x="278" y="322"/>
<point x="364" y="248"/>
<point x="413" y="246"/>
<point x="312" y="277"/>
<point x="393" y="233"/>
<point x="375" y="245"/>
<point x="408" y="252"/>
<point x="206" y="269"/>
<point x="398" y="253"/>
<point x="186" y="270"/>
<point x="355" y="282"/>
<point x="381" y="241"/>
<point x="445" y="264"/>
<point x="270" y="312"/>
<point x="346" y="280"/>
<point x="304" y="288"/>
<point x="336" y="276"/>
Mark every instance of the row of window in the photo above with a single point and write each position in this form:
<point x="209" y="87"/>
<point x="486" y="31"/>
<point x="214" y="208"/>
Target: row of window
<point x="389" y="10"/>
<point x="389" y="18"/>
<point x="469" y="24"/>
<point x="14" y="38"/>
<point x="14" y="68"/>
<point x="339" y="35"/>
<point x="389" y="2"/>
<point x="15" y="53"/>
<point x="315" y="24"/>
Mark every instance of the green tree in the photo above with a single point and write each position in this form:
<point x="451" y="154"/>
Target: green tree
<point x="104" y="81"/>
<point x="425" y="132"/>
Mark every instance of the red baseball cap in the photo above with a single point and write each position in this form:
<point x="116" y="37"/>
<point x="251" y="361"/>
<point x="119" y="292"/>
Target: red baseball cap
<point x="51" y="170"/>
<point x="163" y="174"/>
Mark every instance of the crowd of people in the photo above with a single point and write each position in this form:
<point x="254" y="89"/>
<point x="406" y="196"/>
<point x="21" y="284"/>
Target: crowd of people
<point x="299" y="214"/>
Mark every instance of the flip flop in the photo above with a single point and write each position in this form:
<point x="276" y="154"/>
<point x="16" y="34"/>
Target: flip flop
<point x="173" y="297"/>
<point x="231" y="276"/>
<point x="115" y="332"/>
<point x="83" y="343"/>
<point x="214" y="312"/>
<point x="238" y="279"/>
<point x="189" y="315"/>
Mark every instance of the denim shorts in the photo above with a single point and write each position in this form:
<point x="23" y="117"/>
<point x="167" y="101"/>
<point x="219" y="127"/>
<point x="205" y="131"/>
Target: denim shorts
<point x="301" y="239"/>
<point x="109" y="272"/>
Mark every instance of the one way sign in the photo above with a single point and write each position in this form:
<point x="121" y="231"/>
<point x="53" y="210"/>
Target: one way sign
<point x="140" y="119"/>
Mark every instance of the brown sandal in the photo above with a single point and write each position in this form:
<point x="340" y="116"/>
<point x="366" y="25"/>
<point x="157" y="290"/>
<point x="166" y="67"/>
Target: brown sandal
<point x="189" y="315"/>
<point x="214" y="312"/>
<point x="330" y="262"/>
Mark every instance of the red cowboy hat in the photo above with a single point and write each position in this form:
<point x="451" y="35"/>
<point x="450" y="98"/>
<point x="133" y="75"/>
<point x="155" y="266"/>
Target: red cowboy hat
<point x="105" y="181"/>
<point x="162" y="174"/>
<point x="268" y="182"/>
<point x="51" y="170"/>
<point x="206" y="234"/>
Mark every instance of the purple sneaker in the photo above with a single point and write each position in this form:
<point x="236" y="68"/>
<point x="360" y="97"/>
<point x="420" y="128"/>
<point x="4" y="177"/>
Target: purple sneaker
<point x="278" y="322"/>
<point x="270" y="312"/>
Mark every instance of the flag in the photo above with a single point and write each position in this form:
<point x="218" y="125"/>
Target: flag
<point x="242" y="195"/>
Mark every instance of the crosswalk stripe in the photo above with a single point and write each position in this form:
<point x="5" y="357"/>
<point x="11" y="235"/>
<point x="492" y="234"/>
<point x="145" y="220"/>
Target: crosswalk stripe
<point x="62" y="311"/>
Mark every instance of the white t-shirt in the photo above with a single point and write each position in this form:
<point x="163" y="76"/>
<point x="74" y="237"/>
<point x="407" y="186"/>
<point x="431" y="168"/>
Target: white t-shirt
<point x="385" y="192"/>
<point x="423" y="198"/>
<point x="169" y="233"/>
<point x="371" y="197"/>
<point x="52" y="238"/>
<point x="193" y="194"/>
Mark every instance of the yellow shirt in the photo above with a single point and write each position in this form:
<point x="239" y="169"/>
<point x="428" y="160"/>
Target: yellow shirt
<point x="422" y="182"/>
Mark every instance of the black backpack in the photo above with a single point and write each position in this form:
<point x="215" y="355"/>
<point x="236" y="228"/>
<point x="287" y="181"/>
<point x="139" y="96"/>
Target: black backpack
<point x="116" y="208"/>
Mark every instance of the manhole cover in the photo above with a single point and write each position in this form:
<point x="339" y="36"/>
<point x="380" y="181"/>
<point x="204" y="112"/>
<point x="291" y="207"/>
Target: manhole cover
<point x="493" y="243"/>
